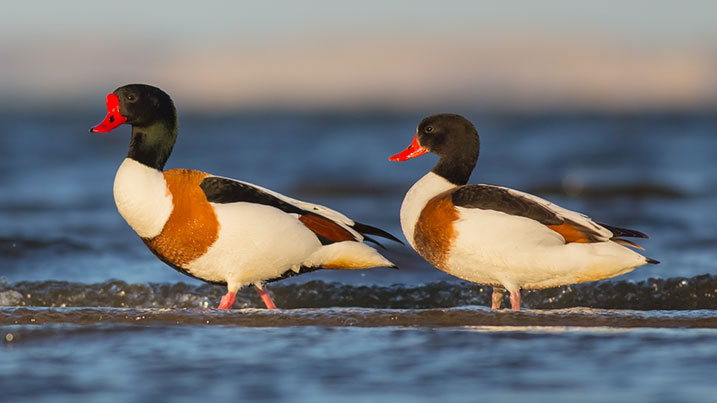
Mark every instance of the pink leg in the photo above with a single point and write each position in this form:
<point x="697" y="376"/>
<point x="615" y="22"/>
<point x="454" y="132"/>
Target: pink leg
<point x="227" y="300"/>
<point x="515" y="300"/>
<point x="265" y="297"/>
<point x="496" y="298"/>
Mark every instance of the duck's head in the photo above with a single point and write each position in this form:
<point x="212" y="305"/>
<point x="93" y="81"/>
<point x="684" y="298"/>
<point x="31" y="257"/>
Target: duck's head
<point x="151" y="113"/>
<point x="137" y="105"/>
<point x="453" y="138"/>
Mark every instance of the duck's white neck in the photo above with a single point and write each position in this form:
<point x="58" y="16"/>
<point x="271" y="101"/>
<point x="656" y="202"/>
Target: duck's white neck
<point x="142" y="197"/>
<point x="417" y="197"/>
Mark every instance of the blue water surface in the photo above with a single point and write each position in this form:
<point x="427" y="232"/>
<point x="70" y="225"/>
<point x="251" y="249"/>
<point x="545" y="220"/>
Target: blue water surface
<point x="324" y="364"/>
<point x="654" y="172"/>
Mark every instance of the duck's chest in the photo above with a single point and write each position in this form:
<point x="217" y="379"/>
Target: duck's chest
<point x="416" y="199"/>
<point x="168" y="210"/>
<point x="142" y="198"/>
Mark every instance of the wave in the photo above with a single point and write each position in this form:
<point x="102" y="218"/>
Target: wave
<point x="678" y="293"/>
<point x="362" y="317"/>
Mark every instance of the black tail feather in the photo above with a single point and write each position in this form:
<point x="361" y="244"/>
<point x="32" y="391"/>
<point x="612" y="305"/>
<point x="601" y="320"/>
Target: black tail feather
<point x="373" y="241"/>
<point x="367" y="229"/>
<point x="626" y="242"/>
<point x="624" y="232"/>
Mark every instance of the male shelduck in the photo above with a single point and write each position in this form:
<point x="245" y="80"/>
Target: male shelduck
<point x="217" y="229"/>
<point x="498" y="236"/>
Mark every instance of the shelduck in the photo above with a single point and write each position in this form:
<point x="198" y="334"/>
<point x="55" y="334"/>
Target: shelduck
<point x="496" y="236"/>
<point x="216" y="229"/>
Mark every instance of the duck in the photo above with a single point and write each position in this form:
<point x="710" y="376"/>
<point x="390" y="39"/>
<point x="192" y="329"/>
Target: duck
<point x="497" y="236"/>
<point x="216" y="229"/>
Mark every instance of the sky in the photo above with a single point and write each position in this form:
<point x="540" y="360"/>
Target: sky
<point x="228" y="55"/>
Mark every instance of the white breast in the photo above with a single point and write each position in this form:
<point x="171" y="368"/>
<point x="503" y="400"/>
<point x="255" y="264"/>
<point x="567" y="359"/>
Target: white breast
<point x="420" y="193"/>
<point x="142" y="197"/>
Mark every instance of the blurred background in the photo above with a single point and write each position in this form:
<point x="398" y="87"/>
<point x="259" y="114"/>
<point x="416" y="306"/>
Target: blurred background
<point x="606" y="107"/>
<point x="399" y="55"/>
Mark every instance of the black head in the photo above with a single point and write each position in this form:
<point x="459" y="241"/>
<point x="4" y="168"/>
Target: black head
<point x="448" y="135"/>
<point x="142" y="105"/>
<point x="139" y="105"/>
<point x="453" y="138"/>
<point x="153" y="117"/>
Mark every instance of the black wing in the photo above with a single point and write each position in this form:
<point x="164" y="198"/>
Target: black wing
<point x="487" y="197"/>
<point x="368" y="229"/>
<point x="225" y="190"/>
<point x="620" y="232"/>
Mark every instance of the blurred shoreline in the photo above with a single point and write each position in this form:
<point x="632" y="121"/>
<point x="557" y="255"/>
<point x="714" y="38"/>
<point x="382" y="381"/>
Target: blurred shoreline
<point x="529" y="72"/>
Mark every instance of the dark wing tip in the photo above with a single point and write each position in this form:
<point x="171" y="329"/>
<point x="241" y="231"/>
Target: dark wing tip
<point x="653" y="261"/>
<point x="373" y="241"/>
<point x="626" y="242"/>
<point x="622" y="232"/>
<point x="367" y="229"/>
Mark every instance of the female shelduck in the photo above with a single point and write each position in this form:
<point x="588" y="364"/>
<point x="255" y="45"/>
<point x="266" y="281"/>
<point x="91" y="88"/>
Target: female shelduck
<point x="217" y="229"/>
<point x="498" y="236"/>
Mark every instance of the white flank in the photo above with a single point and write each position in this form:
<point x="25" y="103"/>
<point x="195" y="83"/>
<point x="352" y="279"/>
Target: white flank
<point x="256" y="243"/>
<point x="420" y="193"/>
<point x="495" y="248"/>
<point x="142" y="198"/>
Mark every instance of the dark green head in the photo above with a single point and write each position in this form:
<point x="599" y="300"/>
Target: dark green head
<point x="153" y="117"/>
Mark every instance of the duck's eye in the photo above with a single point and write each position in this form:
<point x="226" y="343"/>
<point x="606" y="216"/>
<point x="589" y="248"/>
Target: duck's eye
<point x="130" y="97"/>
<point x="428" y="129"/>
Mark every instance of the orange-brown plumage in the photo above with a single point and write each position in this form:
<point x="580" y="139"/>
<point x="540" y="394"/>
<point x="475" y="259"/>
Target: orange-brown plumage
<point x="192" y="226"/>
<point x="434" y="232"/>
<point x="326" y="228"/>
<point x="570" y="232"/>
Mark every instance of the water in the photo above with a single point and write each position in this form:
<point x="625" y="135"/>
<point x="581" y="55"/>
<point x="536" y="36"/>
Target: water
<point x="698" y="292"/>
<point x="161" y="362"/>
<point x="88" y="314"/>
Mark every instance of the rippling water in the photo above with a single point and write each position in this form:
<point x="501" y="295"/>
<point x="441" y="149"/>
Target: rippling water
<point x="362" y="317"/>
<point x="88" y="314"/>
<point x="699" y="292"/>
<point x="137" y="362"/>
